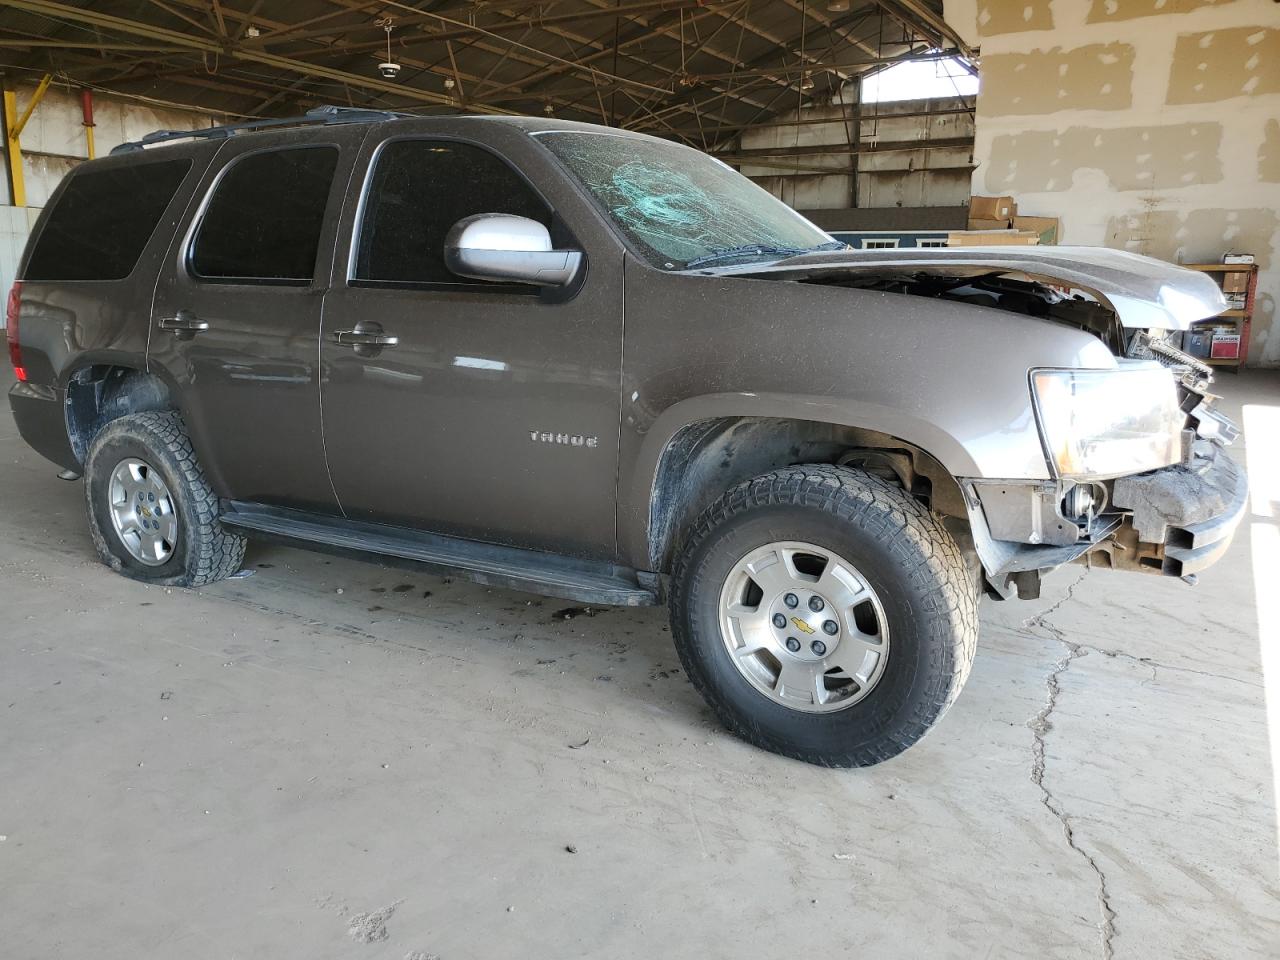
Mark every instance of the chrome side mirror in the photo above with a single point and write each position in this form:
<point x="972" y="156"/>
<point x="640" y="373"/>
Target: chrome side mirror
<point x="498" y="246"/>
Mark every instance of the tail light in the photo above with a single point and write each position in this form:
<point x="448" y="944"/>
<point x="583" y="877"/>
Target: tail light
<point x="11" y="329"/>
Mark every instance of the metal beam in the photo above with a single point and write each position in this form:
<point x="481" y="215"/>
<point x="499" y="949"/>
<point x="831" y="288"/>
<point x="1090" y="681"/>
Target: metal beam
<point x="814" y="121"/>
<point x="403" y="92"/>
<point x="33" y="43"/>
<point x="757" y="63"/>
<point x="642" y="32"/>
<point x="298" y="31"/>
<point x="936" y="22"/>
<point x="809" y="8"/>
<point x="534" y="52"/>
<point x="842" y="149"/>
<point x="798" y="70"/>
<point x="813" y="169"/>
<point x="513" y="24"/>
<point x="596" y="88"/>
<point x="70" y="14"/>
<point x="533" y="85"/>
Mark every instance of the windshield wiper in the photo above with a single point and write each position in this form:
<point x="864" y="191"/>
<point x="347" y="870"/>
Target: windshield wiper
<point x="745" y="250"/>
<point x="750" y="249"/>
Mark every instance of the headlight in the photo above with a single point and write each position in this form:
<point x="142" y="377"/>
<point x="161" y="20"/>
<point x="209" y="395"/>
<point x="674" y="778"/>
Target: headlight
<point x="1106" y="423"/>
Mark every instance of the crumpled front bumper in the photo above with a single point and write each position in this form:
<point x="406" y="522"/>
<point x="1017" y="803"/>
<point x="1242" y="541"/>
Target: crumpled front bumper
<point x="1192" y="511"/>
<point x="1176" y="521"/>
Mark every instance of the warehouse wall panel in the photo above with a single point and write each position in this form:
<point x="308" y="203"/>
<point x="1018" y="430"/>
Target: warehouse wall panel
<point x="1182" y="164"/>
<point x="930" y="176"/>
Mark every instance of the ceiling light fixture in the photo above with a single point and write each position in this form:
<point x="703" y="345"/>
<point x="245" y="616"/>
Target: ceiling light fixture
<point x="388" y="68"/>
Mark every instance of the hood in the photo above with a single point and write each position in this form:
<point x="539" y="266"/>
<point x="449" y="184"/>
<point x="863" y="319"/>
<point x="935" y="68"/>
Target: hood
<point x="1144" y="293"/>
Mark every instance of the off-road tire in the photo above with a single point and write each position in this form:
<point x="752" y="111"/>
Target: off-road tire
<point x="204" y="551"/>
<point x="909" y="559"/>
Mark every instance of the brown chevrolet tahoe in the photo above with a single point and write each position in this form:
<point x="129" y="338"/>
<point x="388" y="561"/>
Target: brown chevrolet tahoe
<point x="592" y="364"/>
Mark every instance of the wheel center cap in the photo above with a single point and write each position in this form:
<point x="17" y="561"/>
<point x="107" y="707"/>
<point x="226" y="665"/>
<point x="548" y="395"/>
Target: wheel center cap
<point x="805" y="625"/>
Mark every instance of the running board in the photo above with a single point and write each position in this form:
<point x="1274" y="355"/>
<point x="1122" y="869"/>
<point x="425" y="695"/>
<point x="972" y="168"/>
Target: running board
<point x="549" y="574"/>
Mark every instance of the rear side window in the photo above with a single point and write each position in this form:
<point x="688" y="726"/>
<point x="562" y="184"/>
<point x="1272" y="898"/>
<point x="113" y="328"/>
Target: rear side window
<point x="102" y="221"/>
<point x="263" y="222"/>
<point x="419" y="190"/>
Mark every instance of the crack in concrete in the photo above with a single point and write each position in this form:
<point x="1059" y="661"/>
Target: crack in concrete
<point x="1147" y="662"/>
<point x="1040" y="726"/>
<point x="1154" y="664"/>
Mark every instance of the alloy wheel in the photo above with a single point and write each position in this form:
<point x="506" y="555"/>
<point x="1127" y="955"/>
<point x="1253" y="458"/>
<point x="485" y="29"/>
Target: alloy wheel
<point x="804" y="627"/>
<point x="143" y="512"/>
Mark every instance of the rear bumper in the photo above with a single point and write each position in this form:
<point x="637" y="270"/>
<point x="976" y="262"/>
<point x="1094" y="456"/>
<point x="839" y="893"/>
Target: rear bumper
<point x="42" y="422"/>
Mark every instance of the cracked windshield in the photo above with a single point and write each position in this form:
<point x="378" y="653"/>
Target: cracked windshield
<point x="681" y="208"/>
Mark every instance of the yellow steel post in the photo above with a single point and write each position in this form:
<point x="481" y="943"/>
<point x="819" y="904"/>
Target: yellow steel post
<point x="13" y="142"/>
<point x="16" y="130"/>
<point x="14" y="149"/>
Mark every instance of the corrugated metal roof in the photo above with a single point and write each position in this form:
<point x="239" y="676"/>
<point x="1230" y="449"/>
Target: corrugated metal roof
<point x="696" y="70"/>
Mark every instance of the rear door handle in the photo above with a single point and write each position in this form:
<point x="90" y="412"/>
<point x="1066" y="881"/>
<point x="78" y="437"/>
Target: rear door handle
<point x="184" y="325"/>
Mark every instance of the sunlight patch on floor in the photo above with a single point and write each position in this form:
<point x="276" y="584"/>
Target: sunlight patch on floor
<point x="1262" y="453"/>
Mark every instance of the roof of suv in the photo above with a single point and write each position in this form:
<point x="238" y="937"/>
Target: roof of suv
<point x="335" y="115"/>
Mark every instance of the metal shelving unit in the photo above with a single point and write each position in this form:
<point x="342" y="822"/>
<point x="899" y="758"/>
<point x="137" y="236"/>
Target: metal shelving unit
<point x="1241" y="318"/>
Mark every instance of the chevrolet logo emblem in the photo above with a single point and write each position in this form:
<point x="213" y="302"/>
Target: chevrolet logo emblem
<point x="801" y="625"/>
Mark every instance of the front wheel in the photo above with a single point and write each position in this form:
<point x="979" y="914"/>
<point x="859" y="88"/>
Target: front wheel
<point x="824" y="614"/>
<point x="152" y="514"/>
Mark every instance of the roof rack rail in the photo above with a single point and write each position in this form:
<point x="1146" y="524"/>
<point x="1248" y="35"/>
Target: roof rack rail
<point x="319" y="115"/>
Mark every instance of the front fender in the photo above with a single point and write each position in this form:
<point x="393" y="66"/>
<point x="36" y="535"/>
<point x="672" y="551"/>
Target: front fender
<point x="949" y="379"/>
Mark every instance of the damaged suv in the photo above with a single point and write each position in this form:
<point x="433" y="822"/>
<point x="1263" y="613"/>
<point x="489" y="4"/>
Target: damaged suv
<point x="596" y="365"/>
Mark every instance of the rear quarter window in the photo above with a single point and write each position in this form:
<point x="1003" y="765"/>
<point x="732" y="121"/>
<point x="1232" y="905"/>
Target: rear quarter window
<point x="101" y="222"/>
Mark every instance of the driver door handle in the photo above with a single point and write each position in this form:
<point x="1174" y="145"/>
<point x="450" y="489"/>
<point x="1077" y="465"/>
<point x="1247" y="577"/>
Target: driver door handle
<point x="366" y="338"/>
<point x="363" y="338"/>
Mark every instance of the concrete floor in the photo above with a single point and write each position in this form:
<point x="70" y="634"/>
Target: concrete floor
<point x="335" y="760"/>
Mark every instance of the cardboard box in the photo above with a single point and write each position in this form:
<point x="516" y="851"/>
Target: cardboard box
<point x="1237" y="258"/>
<point x="1237" y="282"/>
<point x="992" y="208"/>
<point x="1046" y="227"/>
<point x="1225" y="346"/>
<point x="978" y="224"/>
<point x="993" y="238"/>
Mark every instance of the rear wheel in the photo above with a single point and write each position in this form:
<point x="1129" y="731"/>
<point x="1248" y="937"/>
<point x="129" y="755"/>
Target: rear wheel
<point x="824" y="614"/>
<point x="152" y="514"/>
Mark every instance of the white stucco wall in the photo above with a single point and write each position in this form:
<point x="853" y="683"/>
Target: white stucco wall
<point x="1148" y="125"/>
